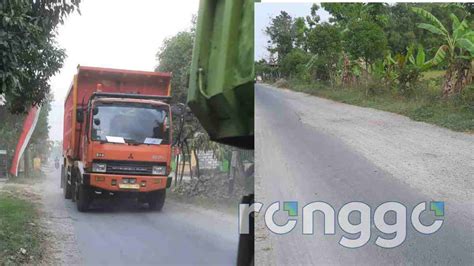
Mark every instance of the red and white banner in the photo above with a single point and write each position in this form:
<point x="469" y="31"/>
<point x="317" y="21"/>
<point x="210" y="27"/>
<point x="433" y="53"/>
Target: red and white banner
<point x="28" y="128"/>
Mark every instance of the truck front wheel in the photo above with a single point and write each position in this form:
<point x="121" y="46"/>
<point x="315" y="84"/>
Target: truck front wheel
<point x="83" y="198"/>
<point x="156" y="199"/>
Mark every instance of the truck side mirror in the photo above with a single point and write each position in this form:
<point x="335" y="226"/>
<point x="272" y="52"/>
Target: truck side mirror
<point x="79" y="115"/>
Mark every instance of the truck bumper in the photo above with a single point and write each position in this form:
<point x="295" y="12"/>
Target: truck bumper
<point x="112" y="182"/>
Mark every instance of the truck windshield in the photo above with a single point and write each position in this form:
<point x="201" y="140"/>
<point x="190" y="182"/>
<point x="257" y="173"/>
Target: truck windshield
<point x="130" y="123"/>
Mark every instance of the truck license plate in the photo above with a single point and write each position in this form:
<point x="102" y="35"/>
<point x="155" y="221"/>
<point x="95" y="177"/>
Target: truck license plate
<point x="129" y="186"/>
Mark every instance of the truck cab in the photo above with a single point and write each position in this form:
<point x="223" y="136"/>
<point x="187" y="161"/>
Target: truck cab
<point x="117" y="136"/>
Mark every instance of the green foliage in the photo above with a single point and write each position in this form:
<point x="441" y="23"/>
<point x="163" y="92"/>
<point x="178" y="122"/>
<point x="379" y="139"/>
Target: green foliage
<point x="461" y="36"/>
<point x="12" y="125"/>
<point x="175" y="56"/>
<point x="29" y="53"/>
<point x="281" y="34"/>
<point x="265" y="70"/>
<point x="294" y="63"/>
<point x="457" y="50"/>
<point x="374" y="44"/>
<point x="299" y="31"/>
<point x="10" y="129"/>
<point x="365" y="40"/>
<point x="325" y="42"/>
<point x="345" y="14"/>
<point x="39" y="143"/>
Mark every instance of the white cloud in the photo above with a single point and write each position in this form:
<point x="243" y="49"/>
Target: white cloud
<point x="115" y="34"/>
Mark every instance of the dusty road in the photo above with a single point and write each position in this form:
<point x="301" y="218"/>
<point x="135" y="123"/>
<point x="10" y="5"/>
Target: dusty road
<point x="312" y="149"/>
<point x="181" y="234"/>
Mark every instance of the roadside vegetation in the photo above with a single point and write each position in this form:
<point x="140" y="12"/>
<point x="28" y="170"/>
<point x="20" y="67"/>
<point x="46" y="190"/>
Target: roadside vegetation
<point x="20" y="236"/>
<point x="30" y="56"/>
<point x="411" y="59"/>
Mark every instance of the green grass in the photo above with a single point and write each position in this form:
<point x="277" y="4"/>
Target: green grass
<point x="18" y="231"/>
<point x="425" y="105"/>
<point x="433" y="74"/>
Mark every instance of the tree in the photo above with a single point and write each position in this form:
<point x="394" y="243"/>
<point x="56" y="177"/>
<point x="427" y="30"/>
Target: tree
<point x="29" y="53"/>
<point x="365" y="40"/>
<point x="281" y="35"/>
<point x="299" y="32"/>
<point x="457" y="50"/>
<point x="324" y="41"/>
<point x="343" y="13"/>
<point x="175" y="56"/>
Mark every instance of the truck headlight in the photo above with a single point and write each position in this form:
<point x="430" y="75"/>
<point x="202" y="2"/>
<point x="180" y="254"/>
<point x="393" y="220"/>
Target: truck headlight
<point x="159" y="170"/>
<point x="99" y="167"/>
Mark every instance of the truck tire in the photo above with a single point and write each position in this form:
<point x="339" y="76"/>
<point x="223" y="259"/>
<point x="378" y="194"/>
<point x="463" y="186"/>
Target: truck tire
<point x="156" y="199"/>
<point x="245" y="254"/>
<point x="83" y="198"/>
<point x="67" y="190"/>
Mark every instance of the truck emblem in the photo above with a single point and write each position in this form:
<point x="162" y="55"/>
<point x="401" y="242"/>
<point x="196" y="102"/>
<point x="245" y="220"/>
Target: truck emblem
<point x="130" y="156"/>
<point x="157" y="157"/>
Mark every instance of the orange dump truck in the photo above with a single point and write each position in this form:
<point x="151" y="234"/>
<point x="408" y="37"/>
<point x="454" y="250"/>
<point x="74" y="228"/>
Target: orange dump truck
<point x="117" y="136"/>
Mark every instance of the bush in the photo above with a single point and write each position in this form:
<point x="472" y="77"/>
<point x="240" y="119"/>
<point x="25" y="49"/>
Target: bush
<point x="407" y="78"/>
<point x="292" y="65"/>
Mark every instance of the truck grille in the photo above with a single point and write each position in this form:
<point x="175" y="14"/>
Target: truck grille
<point x="130" y="168"/>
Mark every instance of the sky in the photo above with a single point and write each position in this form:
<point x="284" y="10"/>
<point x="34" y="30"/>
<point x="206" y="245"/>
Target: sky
<point x="268" y="9"/>
<point x="114" y="34"/>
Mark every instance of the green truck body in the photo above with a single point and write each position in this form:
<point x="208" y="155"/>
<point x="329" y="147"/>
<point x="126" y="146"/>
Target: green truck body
<point x="221" y="87"/>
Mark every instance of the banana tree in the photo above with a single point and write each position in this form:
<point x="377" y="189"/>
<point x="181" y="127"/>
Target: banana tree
<point x="403" y="68"/>
<point x="457" y="50"/>
<point x="420" y="61"/>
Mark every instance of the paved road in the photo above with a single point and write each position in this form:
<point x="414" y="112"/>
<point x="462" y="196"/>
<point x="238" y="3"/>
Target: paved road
<point x="181" y="234"/>
<point x="311" y="149"/>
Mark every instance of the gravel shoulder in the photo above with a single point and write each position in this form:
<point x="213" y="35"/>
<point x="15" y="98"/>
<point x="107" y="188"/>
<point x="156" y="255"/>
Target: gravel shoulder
<point x="435" y="160"/>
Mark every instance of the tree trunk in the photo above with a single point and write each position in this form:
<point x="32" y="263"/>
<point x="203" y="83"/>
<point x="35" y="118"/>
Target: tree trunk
<point x="198" y="171"/>
<point x="463" y="73"/>
<point x="237" y="165"/>
<point x="26" y="158"/>
<point x="182" y="167"/>
<point x="190" y="160"/>
<point x="448" y="86"/>
<point x="346" y="79"/>
<point x="176" y="167"/>
<point x="231" y="179"/>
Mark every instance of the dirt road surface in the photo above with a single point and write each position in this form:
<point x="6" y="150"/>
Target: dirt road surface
<point x="312" y="149"/>
<point x="131" y="235"/>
